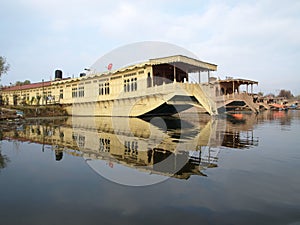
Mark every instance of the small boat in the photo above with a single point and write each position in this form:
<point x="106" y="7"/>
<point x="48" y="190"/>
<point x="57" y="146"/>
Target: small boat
<point x="294" y="106"/>
<point x="237" y="116"/>
<point x="278" y="107"/>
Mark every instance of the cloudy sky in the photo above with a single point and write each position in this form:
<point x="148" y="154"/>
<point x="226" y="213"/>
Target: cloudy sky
<point x="258" y="40"/>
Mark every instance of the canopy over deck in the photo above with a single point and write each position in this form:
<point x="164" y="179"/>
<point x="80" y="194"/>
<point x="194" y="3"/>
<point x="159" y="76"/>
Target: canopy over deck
<point x="185" y="63"/>
<point x="237" y="81"/>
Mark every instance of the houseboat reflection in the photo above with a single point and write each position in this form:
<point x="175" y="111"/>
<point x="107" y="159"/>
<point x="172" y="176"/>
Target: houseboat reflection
<point x="163" y="146"/>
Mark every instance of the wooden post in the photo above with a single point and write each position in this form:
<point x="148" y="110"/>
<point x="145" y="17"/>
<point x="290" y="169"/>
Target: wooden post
<point x="208" y="76"/>
<point x="174" y="69"/>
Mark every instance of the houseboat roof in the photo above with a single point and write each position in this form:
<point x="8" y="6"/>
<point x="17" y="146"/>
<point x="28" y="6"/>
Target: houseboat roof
<point x="186" y="63"/>
<point x="195" y="65"/>
<point x="237" y="80"/>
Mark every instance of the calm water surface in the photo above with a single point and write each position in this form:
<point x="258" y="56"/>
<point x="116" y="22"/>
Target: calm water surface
<point x="155" y="171"/>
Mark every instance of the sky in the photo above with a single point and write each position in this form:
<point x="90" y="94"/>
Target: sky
<point x="257" y="40"/>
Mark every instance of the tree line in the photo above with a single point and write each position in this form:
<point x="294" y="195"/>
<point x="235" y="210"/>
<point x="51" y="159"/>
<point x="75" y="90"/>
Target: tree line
<point x="282" y="93"/>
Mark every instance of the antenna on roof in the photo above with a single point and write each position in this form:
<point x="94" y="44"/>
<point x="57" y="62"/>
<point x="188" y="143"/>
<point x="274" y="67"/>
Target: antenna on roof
<point x="109" y="66"/>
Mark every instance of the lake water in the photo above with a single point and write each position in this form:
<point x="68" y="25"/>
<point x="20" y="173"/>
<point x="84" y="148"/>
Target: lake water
<point x="193" y="170"/>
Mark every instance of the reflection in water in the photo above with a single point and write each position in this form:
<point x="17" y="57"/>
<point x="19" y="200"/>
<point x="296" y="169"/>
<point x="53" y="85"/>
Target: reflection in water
<point x="3" y="160"/>
<point x="257" y="185"/>
<point x="163" y="146"/>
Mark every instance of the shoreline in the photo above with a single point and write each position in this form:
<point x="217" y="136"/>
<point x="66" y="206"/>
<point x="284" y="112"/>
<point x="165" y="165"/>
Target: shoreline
<point x="21" y="112"/>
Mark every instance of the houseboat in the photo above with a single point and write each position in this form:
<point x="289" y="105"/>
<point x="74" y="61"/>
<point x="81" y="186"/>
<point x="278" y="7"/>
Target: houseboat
<point x="160" y="86"/>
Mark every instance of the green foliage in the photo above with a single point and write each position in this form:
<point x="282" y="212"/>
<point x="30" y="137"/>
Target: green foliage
<point x="4" y="66"/>
<point x="20" y="83"/>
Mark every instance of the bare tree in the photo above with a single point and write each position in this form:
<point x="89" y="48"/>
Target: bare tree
<point x="286" y="94"/>
<point x="4" y="66"/>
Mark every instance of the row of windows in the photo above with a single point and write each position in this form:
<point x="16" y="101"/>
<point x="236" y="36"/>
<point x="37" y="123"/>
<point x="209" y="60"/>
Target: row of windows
<point x="104" y="145"/>
<point x="130" y="85"/>
<point x="78" y="92"/>
<point x="104" y="89"/>
<point x="131" y="148"/>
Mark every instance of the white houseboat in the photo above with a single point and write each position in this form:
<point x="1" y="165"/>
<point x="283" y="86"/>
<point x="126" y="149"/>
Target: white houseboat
<point x="160" y="86"/>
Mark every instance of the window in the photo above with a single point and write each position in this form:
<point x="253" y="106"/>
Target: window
<point x="81" y="91"/>
<point x="107" y="88"/>
<point x="104" y="145"/>
<point x="131" y="148"/>
<point x="149" y="80"/>
<point x="130" y="85"/>
<point x="135" y="84"/>
<point x="125" y="85"/>
<point x="61" y="93"/>
<point x="101" y="90"/>
<point x="104" y="89"/>
<point x="74" y="92"/>
<point x="81" y="141"/>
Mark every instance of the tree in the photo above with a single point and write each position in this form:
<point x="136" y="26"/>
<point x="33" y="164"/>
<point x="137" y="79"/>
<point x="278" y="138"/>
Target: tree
<point x="286" y="94"/>
<point x="20" y="83"/>
<point x="270" y="95"/>
<point x="26" y="82"/>
<point x="4" y="66"/>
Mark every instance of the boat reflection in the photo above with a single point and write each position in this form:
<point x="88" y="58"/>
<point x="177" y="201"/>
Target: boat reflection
<point x="164" y="146"/>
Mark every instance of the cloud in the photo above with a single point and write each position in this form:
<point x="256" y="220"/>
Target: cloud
<point x="251" y="38"/>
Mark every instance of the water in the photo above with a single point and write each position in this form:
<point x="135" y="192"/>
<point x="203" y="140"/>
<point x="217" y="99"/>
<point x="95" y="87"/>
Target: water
<point x="160" y="171"/>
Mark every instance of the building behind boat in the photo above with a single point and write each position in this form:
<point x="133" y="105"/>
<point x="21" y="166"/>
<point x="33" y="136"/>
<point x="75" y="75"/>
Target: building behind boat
<point x="160" y="86"/>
